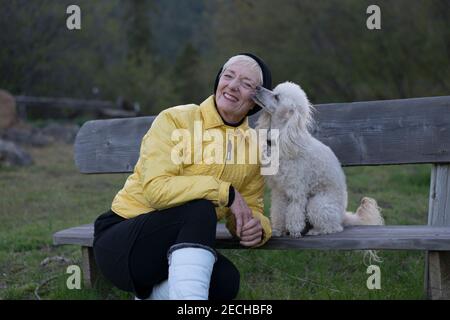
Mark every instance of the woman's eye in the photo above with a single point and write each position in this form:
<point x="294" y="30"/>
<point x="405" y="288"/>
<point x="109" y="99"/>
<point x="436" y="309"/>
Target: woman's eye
<point x="227" y="76"/>
<point x="248" y="86"/>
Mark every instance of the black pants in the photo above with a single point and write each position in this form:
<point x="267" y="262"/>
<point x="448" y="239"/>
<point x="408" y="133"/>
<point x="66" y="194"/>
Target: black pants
<point x="132" y="253"/>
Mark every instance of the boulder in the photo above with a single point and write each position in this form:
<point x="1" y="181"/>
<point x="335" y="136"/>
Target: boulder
<point x="8" y="114"/>
<point x="28" y="136"/>
<point x="62" y="132"/>
<point x="13" y="155"/>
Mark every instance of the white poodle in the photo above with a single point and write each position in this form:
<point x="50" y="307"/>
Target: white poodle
<point x="310" y="184"/>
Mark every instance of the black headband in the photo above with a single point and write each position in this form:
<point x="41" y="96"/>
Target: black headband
<point x="267" y="78"/>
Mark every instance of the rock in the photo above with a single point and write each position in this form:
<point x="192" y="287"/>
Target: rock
<point x="39" y="137"/>
<point x="11" y="154"/>
<point x="7" y="110"/>
<point x="62" y="132"/>
<point x="27" y="136"/>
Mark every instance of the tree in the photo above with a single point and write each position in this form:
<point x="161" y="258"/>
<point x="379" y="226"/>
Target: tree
<point x="185" y="76"/>
<point x="139" y="35"/>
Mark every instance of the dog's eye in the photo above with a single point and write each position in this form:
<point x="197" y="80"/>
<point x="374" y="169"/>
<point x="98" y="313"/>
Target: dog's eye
<point x="277" y="97"/>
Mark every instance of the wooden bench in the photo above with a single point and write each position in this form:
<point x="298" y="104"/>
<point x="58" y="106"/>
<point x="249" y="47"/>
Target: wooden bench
<point x="405" y="131"/>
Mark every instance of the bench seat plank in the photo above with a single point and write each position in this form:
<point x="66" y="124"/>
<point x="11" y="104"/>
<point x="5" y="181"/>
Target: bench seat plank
<point x="352" y="238"/>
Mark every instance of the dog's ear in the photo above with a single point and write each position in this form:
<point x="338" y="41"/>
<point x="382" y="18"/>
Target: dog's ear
<point x="310" y="123"/>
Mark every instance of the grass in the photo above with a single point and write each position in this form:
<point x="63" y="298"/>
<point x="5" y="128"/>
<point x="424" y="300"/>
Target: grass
<point x="51" y="195"/>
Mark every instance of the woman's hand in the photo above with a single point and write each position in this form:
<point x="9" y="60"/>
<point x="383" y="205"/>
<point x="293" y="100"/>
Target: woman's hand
<point x="241" y="211"/>
<point x="249" y="229"/>
<point x="251" y="233"/>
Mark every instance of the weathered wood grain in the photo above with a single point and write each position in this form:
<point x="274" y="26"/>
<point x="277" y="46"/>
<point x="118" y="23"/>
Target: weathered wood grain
<point x="104" y="146"/>
<point x="360" y="133"/>
<point x="89" y="266"/>
<point x="437" y="263"/>
<point x="352" y="238"/>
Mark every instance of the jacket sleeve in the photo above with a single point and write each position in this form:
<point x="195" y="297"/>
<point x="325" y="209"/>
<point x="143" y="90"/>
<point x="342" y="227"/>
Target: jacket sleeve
<point x="253" y="194"/>
<point x="162" y="179"/>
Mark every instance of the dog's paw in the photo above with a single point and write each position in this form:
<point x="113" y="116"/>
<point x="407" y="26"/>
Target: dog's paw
<point x="277" y="233"/>
<point x="295" y="234"/>
<point x="295" y="231"/>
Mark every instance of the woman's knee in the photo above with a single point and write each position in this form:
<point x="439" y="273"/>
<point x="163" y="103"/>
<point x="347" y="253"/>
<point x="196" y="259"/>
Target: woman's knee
<point x="225" y="280"/>
<point x="199" y="223"/>
<point x="202" y="210"/>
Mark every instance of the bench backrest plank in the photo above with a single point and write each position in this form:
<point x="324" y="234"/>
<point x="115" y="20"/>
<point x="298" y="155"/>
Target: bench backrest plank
<point x="360" y="133"/>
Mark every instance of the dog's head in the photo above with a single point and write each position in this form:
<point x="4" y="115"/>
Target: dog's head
<point x="286" y="104"/>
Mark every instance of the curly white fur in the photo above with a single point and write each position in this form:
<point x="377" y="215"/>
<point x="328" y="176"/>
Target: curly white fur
<point x="310" y="184"/>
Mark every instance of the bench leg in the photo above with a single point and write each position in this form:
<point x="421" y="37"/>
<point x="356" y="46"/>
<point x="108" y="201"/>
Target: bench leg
<point x="90" y="271"/>
<point x="437" y="275"/>
<point x="437" y="267"/>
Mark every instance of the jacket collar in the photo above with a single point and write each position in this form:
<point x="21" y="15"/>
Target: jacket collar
<point x="211" y="116"/>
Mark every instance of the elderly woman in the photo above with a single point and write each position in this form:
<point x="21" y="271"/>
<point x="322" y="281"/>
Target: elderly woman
<point x="158" y="238"/>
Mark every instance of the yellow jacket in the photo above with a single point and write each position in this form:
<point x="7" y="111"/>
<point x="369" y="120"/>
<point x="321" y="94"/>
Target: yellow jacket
<point x="159" y="182"/>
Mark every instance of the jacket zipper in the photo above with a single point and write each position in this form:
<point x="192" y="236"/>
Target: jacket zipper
<point x="229" y="146"/>
<point x="227" y="155"/>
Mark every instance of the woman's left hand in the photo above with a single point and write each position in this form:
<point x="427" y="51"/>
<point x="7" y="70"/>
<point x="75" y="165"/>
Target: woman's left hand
<point x="251" y="233"/>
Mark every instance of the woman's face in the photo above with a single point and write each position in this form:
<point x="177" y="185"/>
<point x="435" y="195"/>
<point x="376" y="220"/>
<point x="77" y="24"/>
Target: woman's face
<point x="236" y="86"/>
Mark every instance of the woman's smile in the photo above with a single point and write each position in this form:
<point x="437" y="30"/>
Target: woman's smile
<point x="230" y="97"/>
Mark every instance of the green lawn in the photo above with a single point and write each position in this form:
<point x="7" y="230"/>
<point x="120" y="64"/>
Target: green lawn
<point x="51" y="195"/>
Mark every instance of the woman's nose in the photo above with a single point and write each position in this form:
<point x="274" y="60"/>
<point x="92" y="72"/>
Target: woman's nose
<point x="234" y="84"/>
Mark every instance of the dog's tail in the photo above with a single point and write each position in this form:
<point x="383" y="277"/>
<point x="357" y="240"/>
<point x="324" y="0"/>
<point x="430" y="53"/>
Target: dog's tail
<point x="368" y="213"/>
